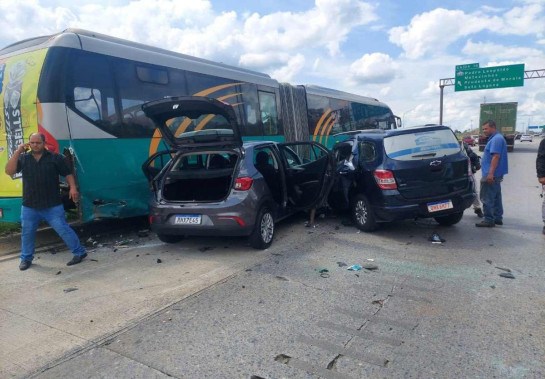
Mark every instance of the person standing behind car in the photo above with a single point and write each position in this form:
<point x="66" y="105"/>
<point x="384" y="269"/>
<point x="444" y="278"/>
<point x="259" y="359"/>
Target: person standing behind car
<point x="40" y="170"/>
<point x="540" y="168"/>
<point x="475" y="162"/>
<point x="494" y="166"/>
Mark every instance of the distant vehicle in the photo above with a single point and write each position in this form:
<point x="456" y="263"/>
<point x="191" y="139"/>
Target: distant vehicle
<point x="526" y="137"/>
<point x="517" y="137"/>
<point x="406" y="173"/>
<point x="505" y="116"/>
<point x="469" y="140"/>
<point x="210" y="183"/>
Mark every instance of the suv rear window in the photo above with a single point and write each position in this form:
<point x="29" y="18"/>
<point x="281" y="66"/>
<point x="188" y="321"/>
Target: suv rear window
<point x="421" y="145"/>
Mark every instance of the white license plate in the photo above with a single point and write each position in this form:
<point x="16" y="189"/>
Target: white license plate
<point x="187" y="219"/>
<point x="439" y="206"/>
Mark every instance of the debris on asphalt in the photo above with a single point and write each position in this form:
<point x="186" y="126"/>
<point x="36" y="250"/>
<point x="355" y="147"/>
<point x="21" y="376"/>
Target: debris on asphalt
<point x="503" y="269"/>
<point x="282" y="278"/>
<point x="493" y="287"/>
<point x="378" y="302"/>
<point x="143" y="233"/>
<point x="507" y="275"/>
<point x="370" y="267"/>
<point x="489" y="261"/>
<point x="341" y="264"/>
<point x="354" y="268"/>
<point x="159" y="260"/>
<point x="93" y="260"/>
<point x="436" y="238"/>
<point x="122" y="244"/>
<point x="205" y="248"/>
<point x="309" y="225"/>
<point x="70" y="289"/>
<point x="58" y="273"/>
<point x="324" y="272"/>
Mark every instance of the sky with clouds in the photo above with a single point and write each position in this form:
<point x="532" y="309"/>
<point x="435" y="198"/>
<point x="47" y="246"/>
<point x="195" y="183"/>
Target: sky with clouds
<point x="392" y="50"/>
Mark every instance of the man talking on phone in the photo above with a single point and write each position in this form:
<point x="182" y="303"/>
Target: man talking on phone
<point x="42" y="200"/>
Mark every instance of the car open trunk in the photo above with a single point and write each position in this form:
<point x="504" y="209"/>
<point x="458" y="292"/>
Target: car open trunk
<point x="200" y="177"/>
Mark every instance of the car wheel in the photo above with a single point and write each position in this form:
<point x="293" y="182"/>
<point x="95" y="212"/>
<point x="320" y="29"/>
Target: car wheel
<point x="450" y="219"/>
<point x="169" y="238"/>
<point x="363" y="214"/>
<point x="263" y="233"/>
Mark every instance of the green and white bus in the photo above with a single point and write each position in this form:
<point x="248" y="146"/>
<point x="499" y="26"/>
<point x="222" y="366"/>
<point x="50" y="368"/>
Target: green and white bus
<point x="84" y="92"/>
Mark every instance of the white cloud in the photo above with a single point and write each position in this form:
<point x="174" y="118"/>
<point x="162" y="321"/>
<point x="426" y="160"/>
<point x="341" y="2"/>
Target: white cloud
<point x="432" y="32"/>
<point x="494" y="51"/>
<point x="373" y="68"/>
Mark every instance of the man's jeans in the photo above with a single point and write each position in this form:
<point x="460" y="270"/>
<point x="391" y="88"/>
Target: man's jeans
<point x="491" y="199"/>
<point x="56" y="218"/>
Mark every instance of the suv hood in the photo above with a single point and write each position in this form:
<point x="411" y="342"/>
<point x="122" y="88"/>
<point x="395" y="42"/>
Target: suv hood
<point x="194" y="121"/>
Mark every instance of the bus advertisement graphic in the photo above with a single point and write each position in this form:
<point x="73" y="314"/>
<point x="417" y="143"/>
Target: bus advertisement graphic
<point x="18" y="118"/>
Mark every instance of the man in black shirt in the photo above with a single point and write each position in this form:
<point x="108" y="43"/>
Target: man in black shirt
<point x="41" y="196"/>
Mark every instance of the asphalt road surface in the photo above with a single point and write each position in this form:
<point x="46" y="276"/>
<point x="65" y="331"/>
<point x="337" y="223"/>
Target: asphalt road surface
<point x="215" y="308"/>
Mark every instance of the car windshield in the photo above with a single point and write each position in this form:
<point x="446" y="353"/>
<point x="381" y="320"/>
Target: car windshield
<point x="421" y="145"/>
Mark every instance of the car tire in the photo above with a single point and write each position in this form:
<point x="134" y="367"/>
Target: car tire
<point x="169" y="238"/>
<point x="362" y="214"/>
<point x="450" y="219"/>
<point x="263" y="233"/>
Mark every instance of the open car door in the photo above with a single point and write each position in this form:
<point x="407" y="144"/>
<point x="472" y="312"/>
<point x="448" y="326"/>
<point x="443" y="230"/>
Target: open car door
<point x="309" y="168"/>
<point x="155" y="164"/>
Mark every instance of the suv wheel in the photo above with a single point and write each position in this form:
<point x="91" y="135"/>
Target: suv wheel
<point x="262" y="236"/>
<point x="450" y="219"/>
<point x="169" y="238"/>
<point x="362" y="214"/>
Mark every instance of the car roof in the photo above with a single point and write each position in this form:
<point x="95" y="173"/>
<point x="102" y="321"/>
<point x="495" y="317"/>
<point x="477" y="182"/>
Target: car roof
<point x="379" y="134"/>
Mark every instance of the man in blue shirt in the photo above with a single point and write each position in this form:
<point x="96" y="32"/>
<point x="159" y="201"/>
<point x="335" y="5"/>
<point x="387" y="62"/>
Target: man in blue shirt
<point x="494" y="167"/>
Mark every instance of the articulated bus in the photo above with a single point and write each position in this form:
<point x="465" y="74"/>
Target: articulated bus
<point x="84" y="92"/>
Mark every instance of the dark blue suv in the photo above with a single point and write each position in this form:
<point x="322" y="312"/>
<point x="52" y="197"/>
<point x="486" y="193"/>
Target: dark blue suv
<point x="387" y="175"/>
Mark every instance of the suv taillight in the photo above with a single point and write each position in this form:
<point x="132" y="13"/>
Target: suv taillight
<point x="469" y="172"/>
<point x="244" y="183"/>
<point x="385" y="179"/>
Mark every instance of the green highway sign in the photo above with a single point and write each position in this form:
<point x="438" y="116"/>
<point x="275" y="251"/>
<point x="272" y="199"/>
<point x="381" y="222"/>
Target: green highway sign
<point x="467" y="66"/>
<point x="474" y="78"/>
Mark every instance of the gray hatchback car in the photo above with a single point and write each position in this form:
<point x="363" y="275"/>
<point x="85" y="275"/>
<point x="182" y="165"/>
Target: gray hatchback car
<point x="210" y="183"/>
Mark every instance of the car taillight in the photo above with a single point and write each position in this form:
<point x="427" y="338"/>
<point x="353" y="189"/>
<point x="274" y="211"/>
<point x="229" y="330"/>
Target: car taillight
<point x="469" y="172"/>
<point x="243" y="184"/>
<point x="385" y="179"/>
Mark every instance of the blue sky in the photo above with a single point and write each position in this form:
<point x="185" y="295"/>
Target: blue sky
<point x="395" y="51"/>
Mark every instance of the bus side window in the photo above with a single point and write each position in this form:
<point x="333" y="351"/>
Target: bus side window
<point x="91" y="91"/>
<point x="269" y="115"/>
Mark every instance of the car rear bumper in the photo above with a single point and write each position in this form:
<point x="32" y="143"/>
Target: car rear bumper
<point x="390" y="211"/>
<point x="233" y="217"/>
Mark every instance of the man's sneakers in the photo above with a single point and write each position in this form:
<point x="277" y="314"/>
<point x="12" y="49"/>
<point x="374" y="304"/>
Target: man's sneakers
<point x="479" y="212"/>
<point x="498" y="222"/>
<point x="76" y="259"/>
<point x="24" y="265"/>
<point x="485" y="224"/>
